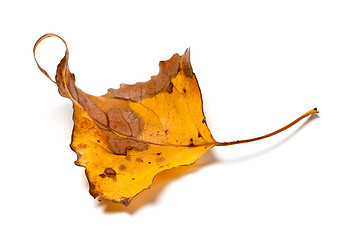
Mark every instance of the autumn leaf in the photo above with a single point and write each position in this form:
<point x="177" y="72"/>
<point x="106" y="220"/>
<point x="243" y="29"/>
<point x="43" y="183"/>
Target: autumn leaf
<point x="127" y="136"/>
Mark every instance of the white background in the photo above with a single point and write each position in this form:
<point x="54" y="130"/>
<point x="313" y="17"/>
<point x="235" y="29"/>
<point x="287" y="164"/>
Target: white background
<point x="260" y="65"/>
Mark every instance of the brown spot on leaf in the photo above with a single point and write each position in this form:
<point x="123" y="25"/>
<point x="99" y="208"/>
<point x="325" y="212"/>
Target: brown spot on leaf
<point x="109" y="172"/>
<point x="122" y="167"/>
<point x="169" y="89"/>
<point x="128" y="158"/>
<point x="140" y="160"/>
<point x="82" y="146"/>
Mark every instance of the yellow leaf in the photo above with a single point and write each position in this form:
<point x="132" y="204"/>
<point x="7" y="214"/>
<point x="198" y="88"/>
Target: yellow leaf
<point x="127" y="136"/>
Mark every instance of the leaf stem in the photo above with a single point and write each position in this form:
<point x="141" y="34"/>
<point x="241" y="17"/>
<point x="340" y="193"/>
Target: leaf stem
<point x="313" y="111"/>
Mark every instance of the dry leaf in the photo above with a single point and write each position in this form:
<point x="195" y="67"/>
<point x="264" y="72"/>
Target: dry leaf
<point x="127" y="136"/>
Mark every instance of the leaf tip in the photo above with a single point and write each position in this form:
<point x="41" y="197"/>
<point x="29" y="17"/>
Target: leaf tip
<point x="186" y="63"/>
<point x="313" y="111"/>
